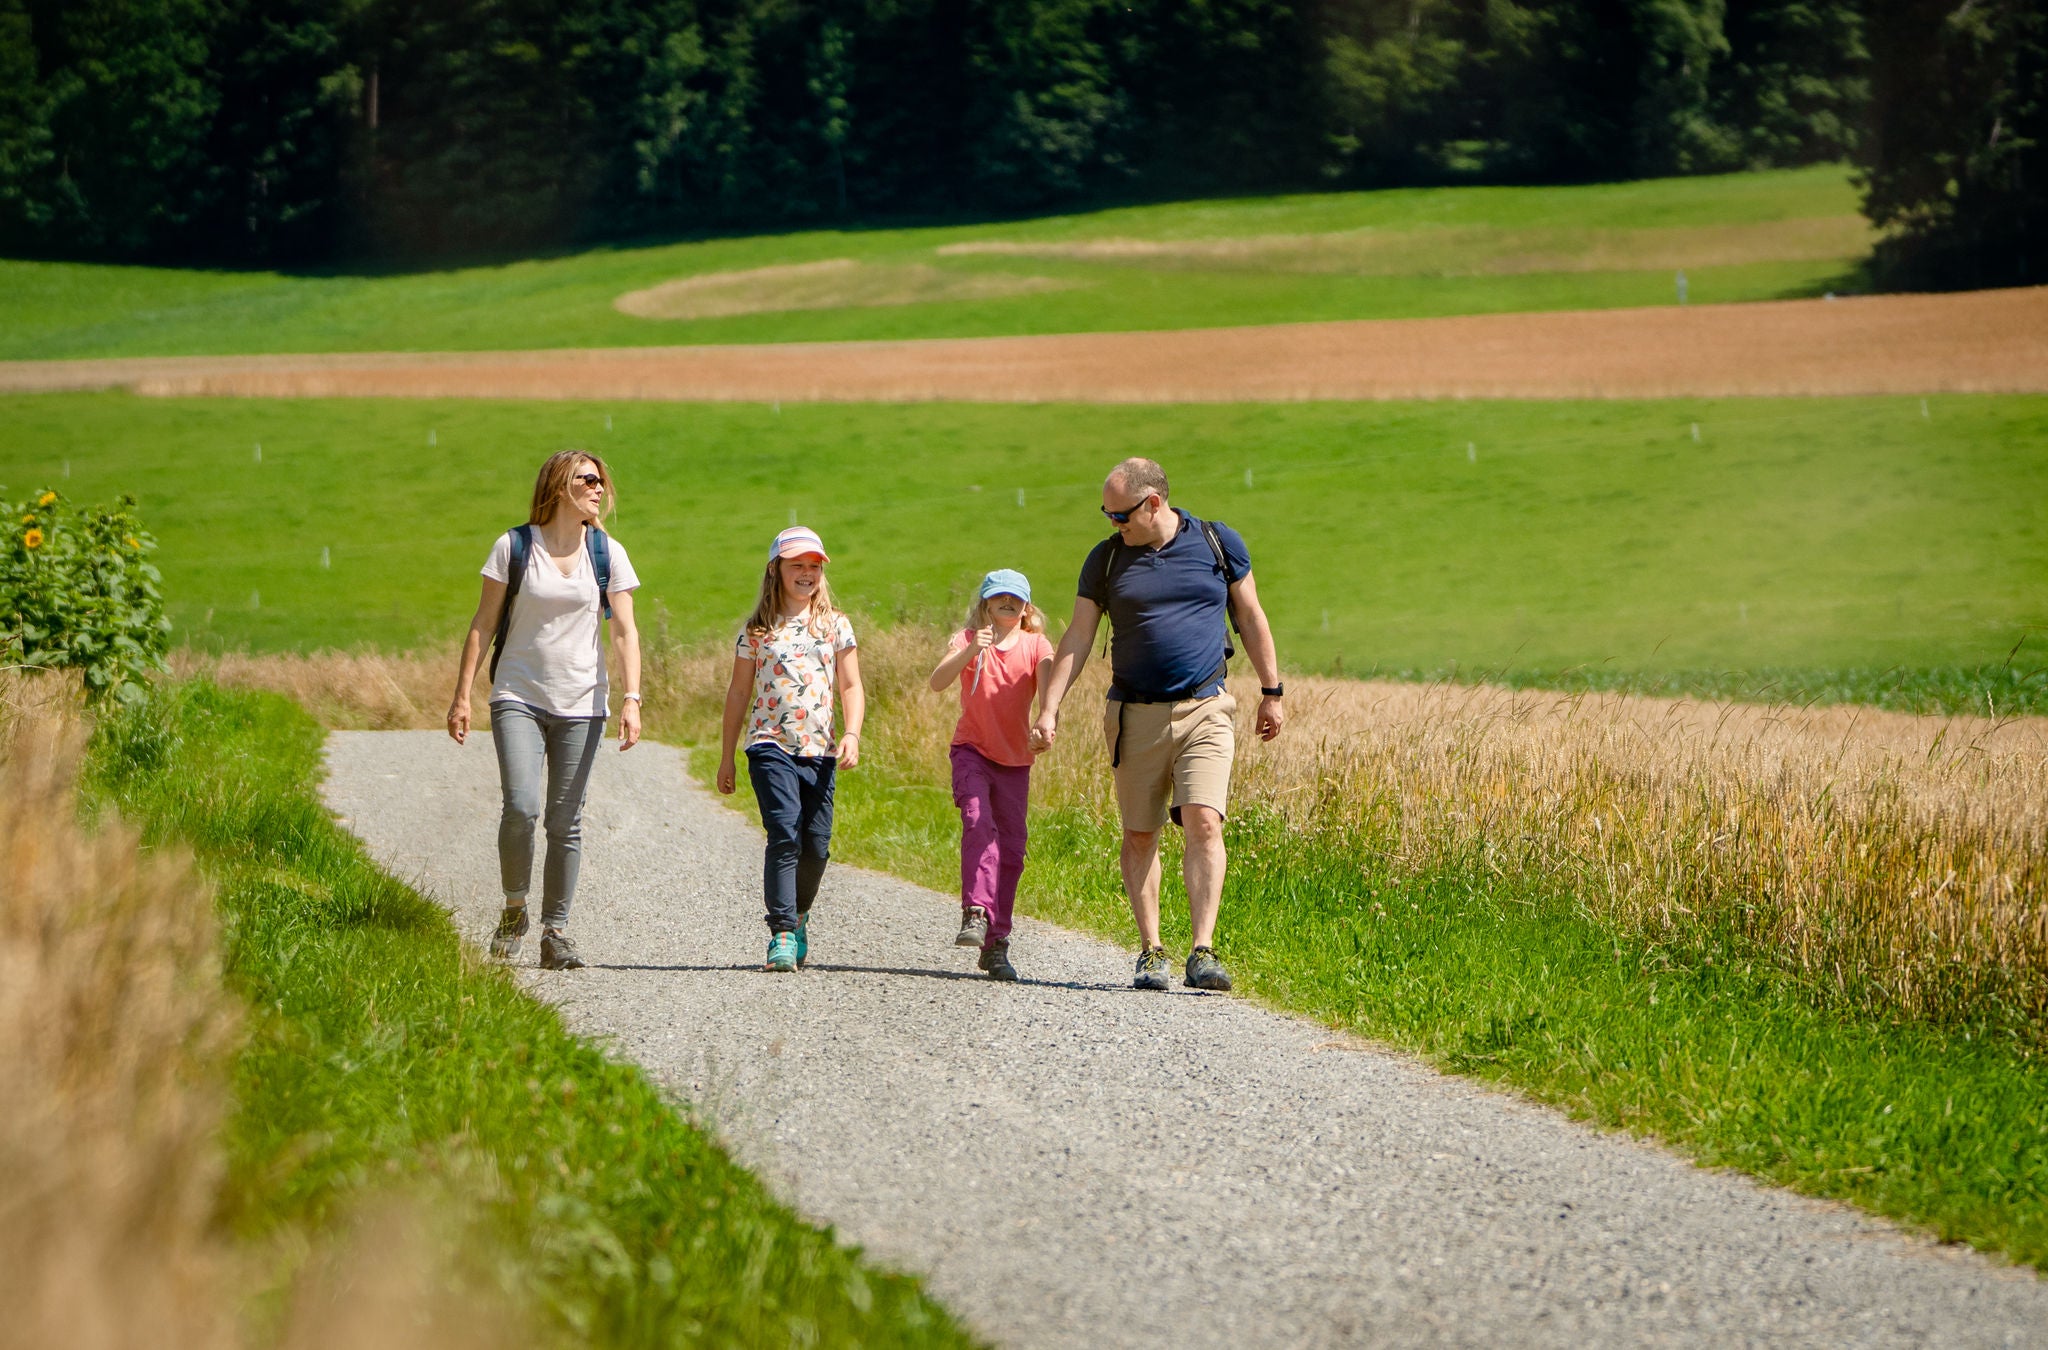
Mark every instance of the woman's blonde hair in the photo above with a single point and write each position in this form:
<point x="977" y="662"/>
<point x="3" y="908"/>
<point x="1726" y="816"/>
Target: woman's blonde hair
<point x="1032" y="622"/>
<point x="554" y="481"/>
<point x="768" y="609"/>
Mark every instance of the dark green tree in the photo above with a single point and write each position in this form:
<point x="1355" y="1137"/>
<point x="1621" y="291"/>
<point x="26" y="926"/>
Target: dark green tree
<point x="1954" y="165"/>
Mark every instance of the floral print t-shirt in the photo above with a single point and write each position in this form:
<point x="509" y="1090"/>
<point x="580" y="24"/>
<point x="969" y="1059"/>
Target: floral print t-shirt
<point x="794" y="678"/>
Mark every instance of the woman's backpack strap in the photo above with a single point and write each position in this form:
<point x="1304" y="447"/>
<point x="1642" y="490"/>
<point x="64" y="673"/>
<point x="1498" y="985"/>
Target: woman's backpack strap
<point x="515" y="577"/>
<point x="600" y="546"/>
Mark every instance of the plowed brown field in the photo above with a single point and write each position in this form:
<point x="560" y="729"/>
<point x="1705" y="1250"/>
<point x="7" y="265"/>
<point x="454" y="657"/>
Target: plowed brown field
<point x="1978" y="342"/>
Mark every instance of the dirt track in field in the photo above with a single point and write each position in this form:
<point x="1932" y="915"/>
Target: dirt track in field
<point x="1978" y="342"/>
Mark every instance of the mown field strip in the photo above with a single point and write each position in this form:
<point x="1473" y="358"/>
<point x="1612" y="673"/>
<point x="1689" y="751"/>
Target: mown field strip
<point x="1979" y="342"/>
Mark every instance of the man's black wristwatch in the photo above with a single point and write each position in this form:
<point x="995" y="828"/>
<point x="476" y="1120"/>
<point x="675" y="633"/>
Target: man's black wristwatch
<point x="1275" y="692"/>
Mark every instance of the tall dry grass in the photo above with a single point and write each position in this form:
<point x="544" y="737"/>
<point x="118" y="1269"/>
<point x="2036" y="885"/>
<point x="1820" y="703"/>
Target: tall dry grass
<point x="116" y="1042"/>
<point x="1891" y="855"/>
<point x="115" y="1035"/>
<point x="1900" y="859"/>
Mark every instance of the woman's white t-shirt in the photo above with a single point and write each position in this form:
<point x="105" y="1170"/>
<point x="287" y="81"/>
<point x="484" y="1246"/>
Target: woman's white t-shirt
<point x="554" y="655"/>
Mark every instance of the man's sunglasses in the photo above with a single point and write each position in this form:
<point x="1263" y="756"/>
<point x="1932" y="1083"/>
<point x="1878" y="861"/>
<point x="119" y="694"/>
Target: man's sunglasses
<point x="588" y="480"/>
<point x="1123" y="517"/>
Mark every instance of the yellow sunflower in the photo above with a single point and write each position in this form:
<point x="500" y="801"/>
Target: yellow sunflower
<point x="29" y="519"/>
<point x="46" y="499"/>
<point x="133" y="542"/>
<point x="33" y="539"/>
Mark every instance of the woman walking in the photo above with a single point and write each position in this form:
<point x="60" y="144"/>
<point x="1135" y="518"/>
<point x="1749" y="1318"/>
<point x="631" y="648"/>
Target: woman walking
<point x="547" y="586"/>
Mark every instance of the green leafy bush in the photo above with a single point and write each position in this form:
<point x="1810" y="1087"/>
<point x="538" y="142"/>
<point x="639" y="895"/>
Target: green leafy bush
<point x="77" y="593"/>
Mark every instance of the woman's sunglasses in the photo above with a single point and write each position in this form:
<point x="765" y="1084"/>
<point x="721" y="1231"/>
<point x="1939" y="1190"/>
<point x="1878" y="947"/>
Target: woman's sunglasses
<point x="588" y="480"/>
<point x="1123" y="517"/>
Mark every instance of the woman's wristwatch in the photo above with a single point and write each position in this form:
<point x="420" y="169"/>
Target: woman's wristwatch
<point x="1275" y="692"/>
<point x="635" y="697"/>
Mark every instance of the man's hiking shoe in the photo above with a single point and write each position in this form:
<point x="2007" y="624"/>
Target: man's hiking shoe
<point x="973" y="927"/>
<point x="803" y="939"/>
<point x="1152" y="968"/>
<point x="511" y="927"/>
<point x="557" y="952"/>
<point x="782" y="951"/>
<point x="1206" y="972"/>
<point x="995" y="959"/>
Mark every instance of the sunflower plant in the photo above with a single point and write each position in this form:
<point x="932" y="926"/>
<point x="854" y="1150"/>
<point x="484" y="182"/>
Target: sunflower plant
<point x="77" y="592"/>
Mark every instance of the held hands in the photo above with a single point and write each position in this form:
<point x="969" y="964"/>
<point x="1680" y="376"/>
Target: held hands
<point x="1044" y="731"/>
<point x="458" y="720"/>
<point x="1270" y="719"/>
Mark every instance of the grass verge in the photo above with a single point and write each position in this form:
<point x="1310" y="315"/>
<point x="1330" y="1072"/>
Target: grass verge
<point x="380" y="1055"/>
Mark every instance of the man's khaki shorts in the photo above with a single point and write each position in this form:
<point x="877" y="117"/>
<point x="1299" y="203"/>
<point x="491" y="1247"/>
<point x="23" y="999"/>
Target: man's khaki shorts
<point x="1170" y="751"/>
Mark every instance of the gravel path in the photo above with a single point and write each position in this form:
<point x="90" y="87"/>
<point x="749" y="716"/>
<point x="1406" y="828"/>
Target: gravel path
<point x="1070" y="1162"/>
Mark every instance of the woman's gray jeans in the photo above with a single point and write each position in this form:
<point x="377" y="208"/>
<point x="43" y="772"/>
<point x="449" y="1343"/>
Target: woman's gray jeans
<point x="527" y="741"/>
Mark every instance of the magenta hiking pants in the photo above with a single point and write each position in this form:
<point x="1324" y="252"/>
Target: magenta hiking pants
<point x="992" y="799"/>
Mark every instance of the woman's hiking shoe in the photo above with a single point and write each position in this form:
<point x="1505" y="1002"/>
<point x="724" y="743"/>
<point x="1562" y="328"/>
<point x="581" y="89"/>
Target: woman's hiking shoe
<point x="511" y="927"/>
<point x="557" y="952"/>
<point x="973" y="927"/>
<point x="1152" y="969"/>
<point x="782" y="951"/>
<point x="1206" y="972"/>
<point x="803" y="939"/>
<point x="995" y="959"/>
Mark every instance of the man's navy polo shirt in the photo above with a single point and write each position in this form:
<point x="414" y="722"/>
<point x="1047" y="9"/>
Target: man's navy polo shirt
<point x="1167" y="610"/>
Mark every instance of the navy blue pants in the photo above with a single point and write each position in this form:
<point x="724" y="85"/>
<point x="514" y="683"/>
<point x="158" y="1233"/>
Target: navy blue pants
<point x="795" y="795"/>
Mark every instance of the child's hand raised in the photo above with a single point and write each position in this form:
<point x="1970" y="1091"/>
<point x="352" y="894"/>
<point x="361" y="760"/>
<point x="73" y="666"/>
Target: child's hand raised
<point x="985" y="638"/>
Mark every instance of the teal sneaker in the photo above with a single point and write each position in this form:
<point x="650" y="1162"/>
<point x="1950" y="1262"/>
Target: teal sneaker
<point x="803" y="939"/>
<point x="1206" y="972"/>
<point x="1152" y="968"/>
<point x="782" y="951"/>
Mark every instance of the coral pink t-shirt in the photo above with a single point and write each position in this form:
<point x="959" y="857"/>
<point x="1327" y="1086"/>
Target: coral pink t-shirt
<point x="995" y="708"/>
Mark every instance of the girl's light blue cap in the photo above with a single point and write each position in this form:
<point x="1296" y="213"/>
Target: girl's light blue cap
<point x="1005" y="581"/>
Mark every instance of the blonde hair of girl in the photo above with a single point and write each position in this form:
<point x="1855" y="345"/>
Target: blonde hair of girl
<point x="1032" y="622"/>
<point x="768" y="609"/>
<point x="553" y="481"/>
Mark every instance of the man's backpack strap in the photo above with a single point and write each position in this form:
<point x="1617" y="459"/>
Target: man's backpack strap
<point x="600" y="546"/>
<point x="515" y="577"/>
<point x="1229" y="580"/>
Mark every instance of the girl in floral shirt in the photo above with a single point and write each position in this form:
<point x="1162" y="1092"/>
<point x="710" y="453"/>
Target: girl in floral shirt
<point x="795" y="653"/>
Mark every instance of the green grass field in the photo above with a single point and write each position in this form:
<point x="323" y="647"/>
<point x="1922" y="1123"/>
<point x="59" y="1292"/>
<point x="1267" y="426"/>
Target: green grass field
<point x="1828" y="540"/>
<point x="1391" y="254"/>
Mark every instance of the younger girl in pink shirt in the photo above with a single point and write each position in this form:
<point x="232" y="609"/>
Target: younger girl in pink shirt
<point x="1000" y="661"/>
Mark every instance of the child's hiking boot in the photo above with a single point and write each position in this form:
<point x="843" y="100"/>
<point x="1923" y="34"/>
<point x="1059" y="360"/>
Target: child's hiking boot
<point x="1152" y="969"/>
<point x="1206" y="972"/>
<point x="995" y="959"/>
<point x="557" y="952"/>
<point x="512" y="926"/>
<point x="782" y="951"/>
<point x="803" y="938"/>
<point x="973" y="927"/>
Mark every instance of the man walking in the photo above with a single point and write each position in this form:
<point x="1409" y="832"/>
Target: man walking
<point x="1170" y="584"/>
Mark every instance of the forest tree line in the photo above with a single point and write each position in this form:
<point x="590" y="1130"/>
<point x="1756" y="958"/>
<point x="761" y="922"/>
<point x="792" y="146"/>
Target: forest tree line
<point x="303" y="131"/>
